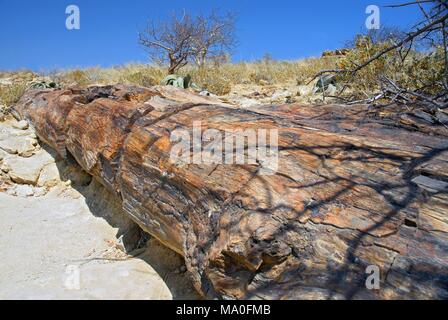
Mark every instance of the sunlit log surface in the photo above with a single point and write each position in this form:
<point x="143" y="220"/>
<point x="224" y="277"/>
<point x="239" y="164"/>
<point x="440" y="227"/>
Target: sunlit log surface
<point x="352" y="190"/>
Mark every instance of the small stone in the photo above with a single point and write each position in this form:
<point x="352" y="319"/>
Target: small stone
<point x="76" y="175"/>
<point x="40" y="191"/>
<point x="24" y="190"/>
<point x="324" y="81"/>
<point x="331" y="90"/>
<point x="21" y="125"/>
<point x="25" y="147"/>
<point x="2" y="113"/>
<point x="11" y="192"/>
<point x="3" y="154"/>
<point x="4" y="168"/>
<point x="49" y="176"/>
<point x="205" y="93"/>
<point x="181" y="269"/>
<point x="26" y="170"/>
<point x="280" y="95"/>
<point x="304" y="91"/>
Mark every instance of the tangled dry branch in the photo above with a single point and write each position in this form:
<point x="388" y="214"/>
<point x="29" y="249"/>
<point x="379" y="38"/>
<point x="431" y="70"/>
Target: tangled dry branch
<point x="434" y="25"/>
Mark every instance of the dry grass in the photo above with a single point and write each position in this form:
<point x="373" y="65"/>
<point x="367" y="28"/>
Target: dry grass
<point x="10" y="94"/>
<point x="216" y="78"/>
<point x="410" y="70"/>
<point x="220" y="79"/>
<point x="12" y="87"/>
<point x="137" y="74"/>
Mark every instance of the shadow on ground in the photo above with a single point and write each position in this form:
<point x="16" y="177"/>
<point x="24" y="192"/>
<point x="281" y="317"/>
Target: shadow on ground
<point x="131" y="239"/>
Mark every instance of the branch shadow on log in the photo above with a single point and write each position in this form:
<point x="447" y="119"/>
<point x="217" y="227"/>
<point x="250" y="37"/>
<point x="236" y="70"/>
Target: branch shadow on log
<point x="347" y="278"/>
<point x="399" y="205"/>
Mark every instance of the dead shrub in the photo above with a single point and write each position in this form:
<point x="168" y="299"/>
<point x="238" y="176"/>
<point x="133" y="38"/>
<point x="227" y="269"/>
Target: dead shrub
<point x="10" y="94"/>
<point x="411" y="70"/>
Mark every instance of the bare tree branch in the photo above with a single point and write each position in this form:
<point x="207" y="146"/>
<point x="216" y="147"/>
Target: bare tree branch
<point x="435" y="21"/>
<point x="185" y="39"/>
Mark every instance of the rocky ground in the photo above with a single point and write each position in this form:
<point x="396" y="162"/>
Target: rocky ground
<point x="250" y="95"/>
<point x="63" y="237"/>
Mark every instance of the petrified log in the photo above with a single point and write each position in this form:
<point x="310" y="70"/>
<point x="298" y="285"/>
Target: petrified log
<point x="351" y="191"/>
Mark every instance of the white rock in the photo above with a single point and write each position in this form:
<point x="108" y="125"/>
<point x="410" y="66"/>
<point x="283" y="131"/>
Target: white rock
<point x="331" y="90"/>
<point x="304" y="90"/>
<point x="21" y="125"/>
<point x="40" y="191"/>
<point x="246" y="102"/>
<point x="27" y="170"/>
<point x="206" y="93"/>
<point x="7" y="131"/>
<point x="49" y="176"/>
<point x="24" y="190"/>
<point x="76" y="175"/>
<point x="24" y="146"/>
<point x="4" y="167"/>
<point x="11" y="191"/>
<point x="3" y="154"/>
<point x="280" y="95"/>
<point x="6" y="81"/>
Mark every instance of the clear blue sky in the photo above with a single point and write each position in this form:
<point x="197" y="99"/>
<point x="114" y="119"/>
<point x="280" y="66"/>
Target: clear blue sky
<point x="33" y="33"/>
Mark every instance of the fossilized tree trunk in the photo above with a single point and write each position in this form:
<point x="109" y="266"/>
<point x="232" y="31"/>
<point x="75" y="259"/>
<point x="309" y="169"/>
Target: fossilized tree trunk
<point x="350" y="191"/>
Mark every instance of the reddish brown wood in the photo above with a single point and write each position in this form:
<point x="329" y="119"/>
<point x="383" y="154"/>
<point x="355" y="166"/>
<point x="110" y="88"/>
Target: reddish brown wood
<point x="352" y="190"/>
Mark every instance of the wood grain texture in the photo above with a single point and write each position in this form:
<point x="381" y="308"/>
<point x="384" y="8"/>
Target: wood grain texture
<point x="351" y="191"/>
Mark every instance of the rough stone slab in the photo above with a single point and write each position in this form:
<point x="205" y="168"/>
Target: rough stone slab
<point x="49" y="176"/>
<point x="3" y="154"/>
<point x="27" y="170"/>
<point x="21" y="125"/>
<point x="24" y="190"/>
<point x="23" y="146"/>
